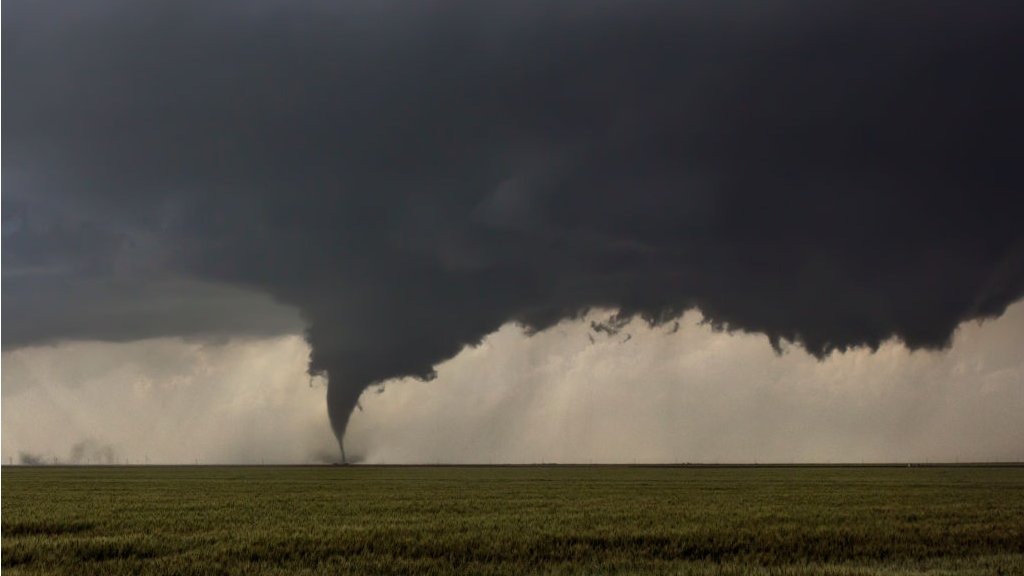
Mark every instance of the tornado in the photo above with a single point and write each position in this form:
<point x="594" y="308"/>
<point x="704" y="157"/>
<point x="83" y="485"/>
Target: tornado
<point x="410" y="178"/>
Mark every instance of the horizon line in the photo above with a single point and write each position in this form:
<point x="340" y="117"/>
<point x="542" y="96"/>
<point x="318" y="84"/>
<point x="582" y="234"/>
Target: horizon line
<point x="910" y="464"/>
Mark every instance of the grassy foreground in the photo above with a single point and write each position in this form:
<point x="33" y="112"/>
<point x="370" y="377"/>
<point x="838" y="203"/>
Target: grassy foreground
<point x="538" y="520"/>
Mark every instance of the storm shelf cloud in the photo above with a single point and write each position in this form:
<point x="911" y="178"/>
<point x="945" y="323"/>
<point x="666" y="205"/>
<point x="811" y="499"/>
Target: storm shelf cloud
<point x="412" y="176"/>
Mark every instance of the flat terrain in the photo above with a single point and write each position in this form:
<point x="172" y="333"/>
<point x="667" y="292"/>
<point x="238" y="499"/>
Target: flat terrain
<point x="514" y="520"/>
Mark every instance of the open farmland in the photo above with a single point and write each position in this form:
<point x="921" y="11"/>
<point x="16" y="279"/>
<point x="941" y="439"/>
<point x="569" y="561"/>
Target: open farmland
<point x="512" y="520"/>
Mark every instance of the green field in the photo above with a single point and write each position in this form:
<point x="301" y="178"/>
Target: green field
<point x="512" y="520"/>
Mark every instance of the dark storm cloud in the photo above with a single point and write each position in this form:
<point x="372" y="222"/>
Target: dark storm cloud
<point x="411" y="176"/>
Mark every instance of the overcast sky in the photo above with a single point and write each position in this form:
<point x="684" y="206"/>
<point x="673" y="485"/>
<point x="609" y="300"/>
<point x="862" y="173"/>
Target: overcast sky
<point x="397" y="181"/>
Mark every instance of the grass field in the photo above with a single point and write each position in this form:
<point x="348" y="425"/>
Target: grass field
<point x="515" y="520"/>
